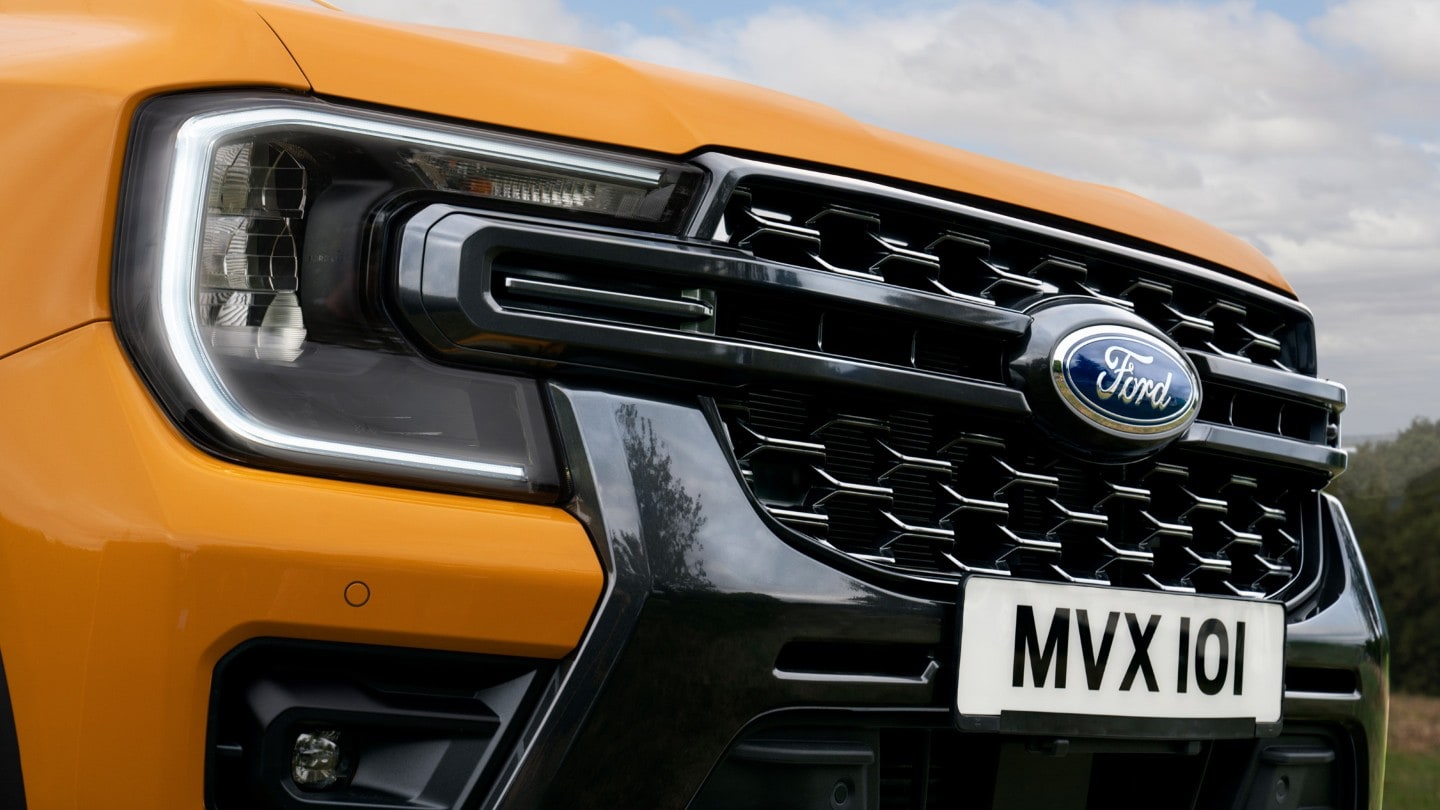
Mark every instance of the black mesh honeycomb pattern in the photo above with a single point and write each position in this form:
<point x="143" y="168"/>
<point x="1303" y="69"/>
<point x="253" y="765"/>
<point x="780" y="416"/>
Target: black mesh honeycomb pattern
<point x="938" y="252"/>
<point x="940" y="493"/>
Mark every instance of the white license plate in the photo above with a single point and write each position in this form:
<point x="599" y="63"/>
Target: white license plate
<point x="1037" y="650"/>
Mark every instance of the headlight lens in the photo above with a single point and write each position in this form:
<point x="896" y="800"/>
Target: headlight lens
<point x="252" y="303"/>
<point x="249" y="267"/>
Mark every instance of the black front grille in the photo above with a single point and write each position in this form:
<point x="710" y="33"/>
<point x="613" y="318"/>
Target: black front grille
<point x="935" y="490"/>
<point x="940" y="492"/>
<point x="969" y="258"/>
<point x="866" y="348"/>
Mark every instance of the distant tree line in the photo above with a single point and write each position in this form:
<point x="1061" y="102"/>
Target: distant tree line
<point x="1392" y="493"/>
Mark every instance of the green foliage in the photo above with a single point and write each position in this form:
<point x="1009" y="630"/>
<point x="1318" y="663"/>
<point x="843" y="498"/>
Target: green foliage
<point x="1412" y="780"/>
<point x="1392" y="494"/>
<point x="1383" y="468"/>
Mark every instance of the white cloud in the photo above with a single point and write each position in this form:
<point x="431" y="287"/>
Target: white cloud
<point x="1402" y="35"/>
<point x="975" y="67"/>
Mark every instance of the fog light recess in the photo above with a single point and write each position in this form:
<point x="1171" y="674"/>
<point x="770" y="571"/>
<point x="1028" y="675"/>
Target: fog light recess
<point x="299" y="725"/>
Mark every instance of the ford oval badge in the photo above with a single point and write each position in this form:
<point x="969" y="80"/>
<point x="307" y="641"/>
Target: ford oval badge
<point x="1126" y="381"/>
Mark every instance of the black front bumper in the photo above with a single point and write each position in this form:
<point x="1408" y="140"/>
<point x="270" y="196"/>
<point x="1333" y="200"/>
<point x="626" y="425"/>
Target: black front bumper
<point x="728" y="667"/>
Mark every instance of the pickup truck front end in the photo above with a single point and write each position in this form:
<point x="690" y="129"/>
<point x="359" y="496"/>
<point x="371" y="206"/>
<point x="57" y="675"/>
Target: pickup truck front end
<point x="398" y="418"/>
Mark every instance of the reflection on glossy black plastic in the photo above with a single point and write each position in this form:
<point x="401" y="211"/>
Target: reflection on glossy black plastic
<point x="679" y="661"/>
<point x="666" y="508"/>
<point x="721" y="596"/>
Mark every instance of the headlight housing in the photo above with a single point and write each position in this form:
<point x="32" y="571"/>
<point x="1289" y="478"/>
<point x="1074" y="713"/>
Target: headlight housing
<point x="250" y="283"/>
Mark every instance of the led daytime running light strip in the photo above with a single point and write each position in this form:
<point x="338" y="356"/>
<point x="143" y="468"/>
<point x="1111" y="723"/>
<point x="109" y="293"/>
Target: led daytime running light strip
<point x="195" y="144"/>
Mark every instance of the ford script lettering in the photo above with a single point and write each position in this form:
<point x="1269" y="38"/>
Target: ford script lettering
<point x="1129" y="386"/>
<point x="1125" y="381"/>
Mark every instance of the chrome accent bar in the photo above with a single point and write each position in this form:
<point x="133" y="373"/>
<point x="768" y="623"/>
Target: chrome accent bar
<point x="649" y="305"/>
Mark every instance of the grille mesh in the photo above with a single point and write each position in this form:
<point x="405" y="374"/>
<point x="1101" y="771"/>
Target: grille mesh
<point x="927" y="250"/>
<point x="941" y="494"/>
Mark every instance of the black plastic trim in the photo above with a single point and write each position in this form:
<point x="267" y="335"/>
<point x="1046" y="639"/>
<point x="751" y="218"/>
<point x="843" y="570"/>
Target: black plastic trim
<point x="1262" y="447"/>
<point x="1150" y="728"/>
<point x="1321" y="680"/>
<point x="1289" y="755"/>
<point x="446" y="274"/>
<point x="12" y="777"/>
<point x="604" y="501"/>
<point x="832" y="754"/>
<point x="1326" y="394"/>
<point x="703" y="598"/>
<point x="419" y="729"/>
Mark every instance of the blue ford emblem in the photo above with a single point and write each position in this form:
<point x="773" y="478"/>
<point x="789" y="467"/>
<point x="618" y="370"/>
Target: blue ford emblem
<point x="1126" y="381"/>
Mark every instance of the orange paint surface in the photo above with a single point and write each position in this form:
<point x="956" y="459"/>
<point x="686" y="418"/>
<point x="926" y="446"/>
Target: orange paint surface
<point x="130" y="562"/>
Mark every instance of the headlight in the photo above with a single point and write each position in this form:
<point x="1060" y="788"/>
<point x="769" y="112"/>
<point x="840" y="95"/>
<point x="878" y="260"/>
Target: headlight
<point x="250" y="278"/>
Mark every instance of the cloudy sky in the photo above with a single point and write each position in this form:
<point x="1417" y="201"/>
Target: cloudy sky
<point x="1311" y="129"/>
